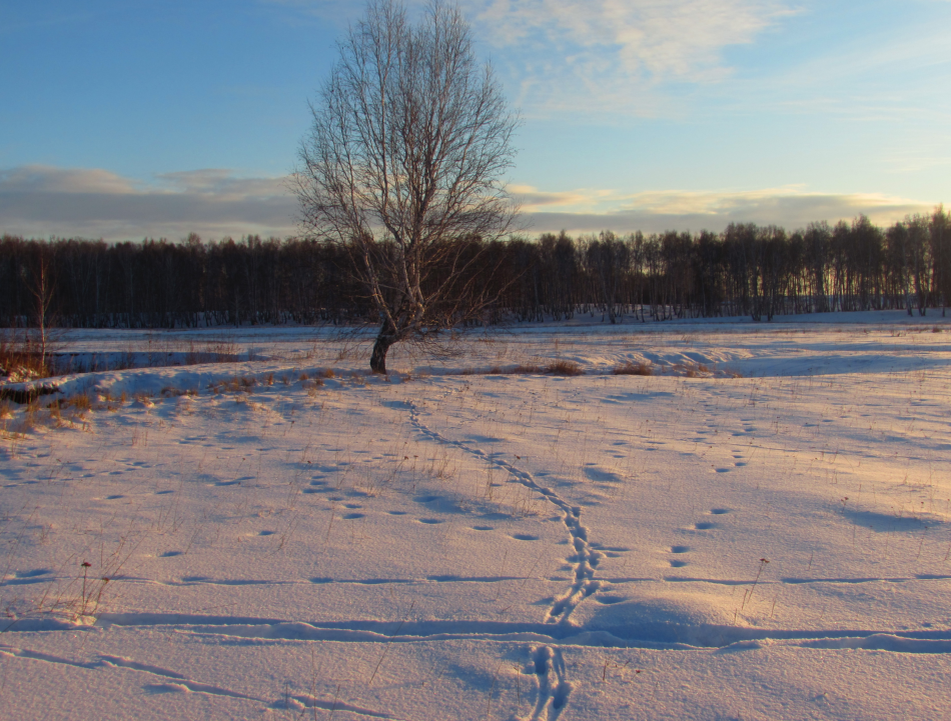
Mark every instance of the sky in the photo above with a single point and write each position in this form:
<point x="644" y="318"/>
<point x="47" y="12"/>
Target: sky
<point x="127" y="119"/>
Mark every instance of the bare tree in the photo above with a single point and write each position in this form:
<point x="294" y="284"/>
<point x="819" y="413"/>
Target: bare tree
<point x="410" y="138"/>
<point x="42" y="291"/>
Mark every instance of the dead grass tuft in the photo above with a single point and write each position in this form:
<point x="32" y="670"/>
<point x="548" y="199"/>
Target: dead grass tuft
<point x="81" y="402"/>
<point x="634" y="369"/>
<point x="21" y="358"/>
<point x="564" y="368"/>
<point x="244" y="384"/>
<point x="311" y="386"/>
<point x="527" y="369"/>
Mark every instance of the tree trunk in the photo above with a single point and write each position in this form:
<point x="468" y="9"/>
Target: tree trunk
<point x="384" y="340"/>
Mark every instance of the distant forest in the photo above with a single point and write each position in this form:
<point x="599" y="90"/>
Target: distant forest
<point x="746" y="270"/>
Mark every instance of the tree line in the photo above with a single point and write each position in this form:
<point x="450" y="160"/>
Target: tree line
<point x="756" y="271"/>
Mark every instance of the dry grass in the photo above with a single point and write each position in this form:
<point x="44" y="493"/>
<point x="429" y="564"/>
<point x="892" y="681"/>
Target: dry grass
<point x="527" y="369"/>
<point x="557" y="368"/>
<point x="311" y="386"/>
<point x="81" y="402"/>
<point x="634" y="369"/>
<point x="170" y="392"/>
<point x="564" y="368"/>
<point x="242" y="384"/>
<point x="20" y="358"/>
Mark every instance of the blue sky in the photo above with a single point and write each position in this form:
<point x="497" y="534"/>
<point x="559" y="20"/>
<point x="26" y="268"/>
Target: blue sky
<point x="126" y="119"/>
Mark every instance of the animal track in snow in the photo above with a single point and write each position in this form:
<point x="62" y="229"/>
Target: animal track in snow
<point x="553" y="688"/>
<point x="174" y="682"/>
<point x="585" y="558"/>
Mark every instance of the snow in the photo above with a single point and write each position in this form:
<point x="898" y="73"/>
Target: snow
<point x="759" y="530"/>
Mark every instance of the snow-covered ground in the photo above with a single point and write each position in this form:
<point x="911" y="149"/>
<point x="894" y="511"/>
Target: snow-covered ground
<point x="456" y="543"/>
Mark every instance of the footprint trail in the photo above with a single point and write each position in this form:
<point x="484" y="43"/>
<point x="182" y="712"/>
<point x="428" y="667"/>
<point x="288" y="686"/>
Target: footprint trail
<point x="553" y="688"/>
<point x="585" y="559"/>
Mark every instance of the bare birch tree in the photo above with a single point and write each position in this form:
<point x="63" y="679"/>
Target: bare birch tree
<point x="410" y="138"/>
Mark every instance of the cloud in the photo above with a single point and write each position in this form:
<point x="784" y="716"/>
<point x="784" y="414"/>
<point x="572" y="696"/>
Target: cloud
<point x="591" y="56"/>
<point x="529" y="197"/>
<point x="42" y="201"/>
<point x="657" y="211"/>
<point x="48" y="179"/>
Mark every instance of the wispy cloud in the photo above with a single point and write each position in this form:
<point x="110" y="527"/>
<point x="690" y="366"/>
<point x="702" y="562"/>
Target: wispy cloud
<point x="588" y="212"/>
<point x="530" y="198"/>
<point x="591" y="56"/>
<point x="41" y="201"/>
<point x="595" y="56"/>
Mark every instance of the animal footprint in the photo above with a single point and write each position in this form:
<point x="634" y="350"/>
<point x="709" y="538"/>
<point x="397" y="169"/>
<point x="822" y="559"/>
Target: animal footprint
<point x="610" y="551"/>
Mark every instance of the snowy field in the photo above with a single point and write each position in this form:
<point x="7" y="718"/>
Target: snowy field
<point x="759" y="530"/>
